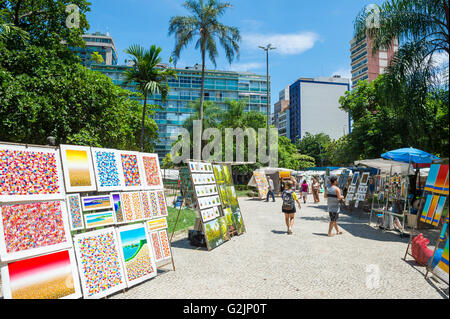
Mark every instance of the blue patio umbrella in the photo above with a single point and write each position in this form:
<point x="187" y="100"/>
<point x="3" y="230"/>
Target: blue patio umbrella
<point x="410" y="155"/>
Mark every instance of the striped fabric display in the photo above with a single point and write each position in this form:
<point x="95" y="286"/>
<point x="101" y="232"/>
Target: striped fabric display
<point x="432" y="209"/>
<point x="444" y="229"/>
<point x="442" y="177"/>
<point x="439" y="209"/>
<point x="426" y="208"/>
<point x="432" y="175"/>
<point x="442" y="268"/>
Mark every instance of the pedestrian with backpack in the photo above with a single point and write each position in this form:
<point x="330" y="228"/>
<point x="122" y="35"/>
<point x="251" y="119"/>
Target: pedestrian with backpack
<point x="288" y="208"/>
<point x="334" y="197"/>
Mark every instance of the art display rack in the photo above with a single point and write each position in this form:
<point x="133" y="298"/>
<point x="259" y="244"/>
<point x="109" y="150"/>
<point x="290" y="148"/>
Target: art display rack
<point x="81" y="194"/>
<point x="442" y="192"/>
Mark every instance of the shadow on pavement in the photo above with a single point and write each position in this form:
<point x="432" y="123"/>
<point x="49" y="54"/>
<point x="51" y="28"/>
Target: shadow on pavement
<point x="317" y="234"/>
<point x="431" y="280"/>
<point x="185" y="244"/>
<point x="279" y="232"/>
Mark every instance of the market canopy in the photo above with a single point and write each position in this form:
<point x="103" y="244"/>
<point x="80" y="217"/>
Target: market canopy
<point x="271" y="170"/>
<point x="386" y="166"/>
<point x="408" y="155"/>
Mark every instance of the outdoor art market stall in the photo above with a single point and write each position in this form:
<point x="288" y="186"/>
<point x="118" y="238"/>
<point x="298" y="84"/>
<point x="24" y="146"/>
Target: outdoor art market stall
<point x="53" y="201"/>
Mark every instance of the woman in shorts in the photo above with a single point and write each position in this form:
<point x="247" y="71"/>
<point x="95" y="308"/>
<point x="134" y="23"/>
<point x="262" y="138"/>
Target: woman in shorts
<point x="288" y="208"/>
<point x="333" y="196"/>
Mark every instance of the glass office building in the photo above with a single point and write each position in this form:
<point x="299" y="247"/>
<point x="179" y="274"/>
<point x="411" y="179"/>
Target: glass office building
<point x="219" y="86"/>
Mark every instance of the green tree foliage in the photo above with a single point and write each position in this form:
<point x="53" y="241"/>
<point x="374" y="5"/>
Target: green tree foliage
<point x="289" y="157"/>
<point x="44" y="90"/>
<point x="315" y="146"/>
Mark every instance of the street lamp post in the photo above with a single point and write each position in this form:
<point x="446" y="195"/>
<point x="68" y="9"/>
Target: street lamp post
<point x="267" y="48"/>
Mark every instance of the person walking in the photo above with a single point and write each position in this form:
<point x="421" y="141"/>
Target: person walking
<point x="271" y="189"/>
<point x="333" y="196"/>
<point x="288" y="208"/>
<point x="304" y="190"/>
<point x="315" y="190"/>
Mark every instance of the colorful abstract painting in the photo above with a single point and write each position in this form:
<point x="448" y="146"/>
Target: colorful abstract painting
<point x="74" y="212"/>
<point x="442" y="268"/>
<point x="31" y="229"/>
<point x="165" y="245"/>
<point x="429" y="208"/>
<point x="118" y="209"/>
<point x="99" y="263"/>
<point x="131" y="170"/>
<point x="156" y="243"/>
<point x="127" y="206"/>
<point x="439" y="209"/>
<point x="108" y="169"/>
<point x="261" y="184"/>
<point x="157" y="224"/>
<point x="152" y="171"/>
<point x="97" y="202"/>
<point x="162" y="204"/>
<point x="137" y="254"/>
<point x="146" y="208"/>
<point x="51" y="276"/>
<point x="94" y="220"/>
<point x="28" y="174"/>
<point x="137" y="206"/>
<point x="153" y="204"/>
<point x="77" y="168"/>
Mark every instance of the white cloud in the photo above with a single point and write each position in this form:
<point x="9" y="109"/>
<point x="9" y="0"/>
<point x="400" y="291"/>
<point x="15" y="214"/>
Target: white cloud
<point x="286" y="44"/>
<point x="344" y="73"/>
<point x="245" y="67"/>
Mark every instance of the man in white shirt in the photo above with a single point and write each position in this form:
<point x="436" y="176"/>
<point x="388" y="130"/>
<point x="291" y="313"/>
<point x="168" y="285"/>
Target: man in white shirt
<point x="271" y="188"/>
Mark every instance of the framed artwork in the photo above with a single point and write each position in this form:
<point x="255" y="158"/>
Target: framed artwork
<point x="50" y="276"/>
<point x="137" y="254"/>
<point x="262" y="184"/>
<point x="162" y="203"/>
<point x="351" y="189"/>
<point x="364" y="178"/>
<point x="127" y="206"/>
<point x="137" y="206"/>
<point x="131" y="170"/>
<point x="29" y="174"/>
<point x="96" y="202"/>
<point x="219" y="174"/>
<point x="116" y="199"/>
<point x="74" y="212"/>
<point x="99" y="263"/>
<point x="210" y="214"/>
<point x="157" y="224"/>
<point x="154" y="207"/>
<point x="99" y="219"/>
<point x="208" y="202"/>
<point x="146" y="208"/>
<point x="439" y="209"/>
<point x="132" y="208"/>
<point x="355" y="178"/>
<point x="31" y="229"/>
<point x="429" y="208"/>
<point x="157" y="247"/>
<point x="206" y="190"/>
<point x="151" y="171"/>
<point x="78" y="168"/>
<point x="165" y="245"/>
<point x="216" y="232"/>
<point x="442" y="267"/>
<point x="200" y="179"/>
<point x="199" y="167"/>
<point x="108" y="169"/>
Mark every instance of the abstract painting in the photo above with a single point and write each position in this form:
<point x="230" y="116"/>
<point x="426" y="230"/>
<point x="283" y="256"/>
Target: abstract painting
<point x="429" y="209"/>
<point x="131" y="170"/>
<point x="108" y="169"/>
<point x="99" y="264"/>
<point x="216" y="232"/>
<point x="118" y="209"/>
<point x="439" y="210"/>
<point x="31" y="229"/>
<point x="165" y="245"/>
<point x="136" y="253"/>
<point x="137" y="206"/>
<point x="261" y="184"/>
<point x="442" y="268"/>
<point x="28" y="174"/>
<point x="97" y="202"/>
<point x="156" y="243"/>
<point x="157" y="224"/>
<point x="99" y="219"/>
<point x="153" y="204"/>
<point x="127" y="207"/>
<point x="162" y="203"/>
<point x="152" y="171"/>
<point x="51" y="276"/>
<point x="78" y="168"/>
<point x="74" y="212"/>
<point x="146" y="208"/>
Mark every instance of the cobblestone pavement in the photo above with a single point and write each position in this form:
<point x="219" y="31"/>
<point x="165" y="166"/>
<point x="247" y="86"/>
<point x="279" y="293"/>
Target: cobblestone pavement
<point x="265" y="262"/>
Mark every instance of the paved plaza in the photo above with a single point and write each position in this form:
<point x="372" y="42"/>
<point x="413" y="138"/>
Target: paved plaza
<point x="265" y="262"/>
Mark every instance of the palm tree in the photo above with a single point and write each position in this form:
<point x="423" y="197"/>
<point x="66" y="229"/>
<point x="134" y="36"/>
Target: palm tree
<point x="204" y="26"/>
<point x="151" y="78"/>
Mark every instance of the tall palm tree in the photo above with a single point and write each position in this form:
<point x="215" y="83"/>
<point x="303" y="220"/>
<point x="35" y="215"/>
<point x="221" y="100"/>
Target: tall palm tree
<point x="149" y="76"/>
<point x="204" y="26"/>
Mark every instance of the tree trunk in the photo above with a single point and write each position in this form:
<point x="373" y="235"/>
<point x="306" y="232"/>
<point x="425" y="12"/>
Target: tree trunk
<point x="143" y="123"/>
<point x="202" y="90"/>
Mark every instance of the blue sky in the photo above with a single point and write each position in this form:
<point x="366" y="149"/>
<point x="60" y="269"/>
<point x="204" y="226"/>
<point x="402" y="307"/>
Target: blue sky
<point x="312" y="37"/>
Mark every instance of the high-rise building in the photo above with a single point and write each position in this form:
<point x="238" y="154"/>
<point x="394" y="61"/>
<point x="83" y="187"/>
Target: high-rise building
<point x="219" y="87"/>
<point x="314" y="107"/>
<point x="97" y="42"/>
<point x="364" y="64"/>
<point x="280" y="118"/>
